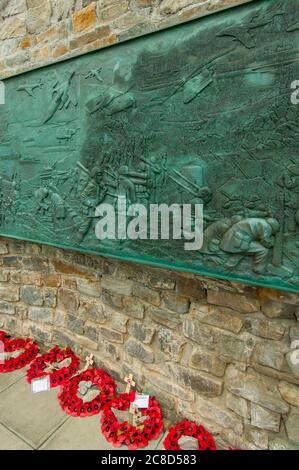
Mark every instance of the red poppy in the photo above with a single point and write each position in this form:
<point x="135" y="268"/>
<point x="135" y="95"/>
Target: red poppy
<point x="124" y="433"/>
<point x="29" y="352"/>
<point x="68" y="395"/>
<point x="57" y="377"/>
<point x="189" y="428"/>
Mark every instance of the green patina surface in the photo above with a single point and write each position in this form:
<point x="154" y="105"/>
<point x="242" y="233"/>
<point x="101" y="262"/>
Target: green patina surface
<point x="200" y="113"/>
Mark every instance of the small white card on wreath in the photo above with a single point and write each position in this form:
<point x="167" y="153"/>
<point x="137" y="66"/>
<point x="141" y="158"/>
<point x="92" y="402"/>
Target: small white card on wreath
<point x="141" y="401"/>
<point x="41" y="385"/>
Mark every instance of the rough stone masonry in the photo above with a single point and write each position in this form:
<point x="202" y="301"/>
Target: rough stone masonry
<point x="213" y="351"/>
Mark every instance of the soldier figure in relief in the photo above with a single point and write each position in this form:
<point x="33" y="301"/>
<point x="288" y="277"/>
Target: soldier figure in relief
<point x="251" y="237"/>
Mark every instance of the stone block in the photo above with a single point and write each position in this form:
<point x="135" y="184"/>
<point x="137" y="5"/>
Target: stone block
<point x="31" y="296"/>
<point x="75" y="324"/>
<point x="216" y="411"/>
<point x="60" y="50"/>
<point x="199" y="382"/>
<point x="265" y="328"/>
<point x="243" y="302"/>
<point x="165" y="317"/>
<point x="59" y="318"/>
<point x="4" y="276"/>
<point x="112" y="300"/>
<point x="259" y="390"/>
<point x="278" y="304"/>
<point x="169" y="7"/>
<point x="289" y="393"/>
<point x="3" y="248"/>
<point x="170" y="344"/>
<point x="148" y="295"/>
<point x="40" y="333"/>
<point x="38" y="18"/>
<point x="50" y="296"/>
<point x="192" y="288"/>
<point x="292" y="427"/>
<point x="138" y="350"/>
<point x="272" y="354"/>
<point x="25" y="278"/>
<point x="13" y="27"/>
<point x="109" y="351"/>
<point x="30" y="248"/>
<point x="234" y="348"/>
<point x="67" y="300"/>
<point x="176" y="303"/>
<point x="92" y="310"/>
<point x="168" y="386"/>
<point x="161" y="281"/>
<point x="16" y="247"/>
<point x="220" y="318"/>
<point x="113" y="11"/>
<point x="7" y="308"/>
<point x="62" y="339"/>
<point x="91" y="331"/>
<point x="36" y="263"/>
<point x="208" y="362"/>
<point x="264" y="419"/>
<point x="61" y="10"/>
<point x="294" y="333"/>
<point x="9" y="293"/>
<point x="43" y="315"/>
<point x="257" y="436"/>
<point x="85" y="19"/>
<point x="239" y="405"/>
<point x="111" y="335"/>
<point x="12" y="261"/>
<point x="199" y="333"/>
<point x="52" y="280"/>
<point x="280" y="443"/>
<point x="133" y="307"/>
<point x="117" y="286"/>
<point x="141" y="331"/>
<point x="88" y="287"/>
<point x="12" y="8"/>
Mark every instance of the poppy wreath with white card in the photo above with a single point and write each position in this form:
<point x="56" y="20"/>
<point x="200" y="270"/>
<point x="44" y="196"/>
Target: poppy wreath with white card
<point x="133" y="436"/>
<point x="10" y="360"/>
<point x="51" y="364"/>
<point x="204" y="439"/>
<point x="72" y="396"/>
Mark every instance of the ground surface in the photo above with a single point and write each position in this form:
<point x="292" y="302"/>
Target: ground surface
<point x="29" y="421"/>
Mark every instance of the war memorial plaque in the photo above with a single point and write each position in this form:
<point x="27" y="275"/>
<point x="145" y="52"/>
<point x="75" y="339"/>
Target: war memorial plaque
<point x="196" y="114"/>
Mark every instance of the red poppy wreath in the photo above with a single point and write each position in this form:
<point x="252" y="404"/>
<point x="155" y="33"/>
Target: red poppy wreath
<point x="73" y="405"/>
<point x="188" y="428"/>
<point x="28" y="351"/>
<point x="48" y="364"/>
<point x="135" y="437"/>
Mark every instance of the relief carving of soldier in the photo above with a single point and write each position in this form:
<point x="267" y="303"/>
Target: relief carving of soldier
<point x="251" y="237"/>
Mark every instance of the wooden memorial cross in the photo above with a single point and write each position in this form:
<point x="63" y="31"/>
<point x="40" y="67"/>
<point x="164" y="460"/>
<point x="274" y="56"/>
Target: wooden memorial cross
<point x="130" y="383"/>
<point x="89" y="362"/>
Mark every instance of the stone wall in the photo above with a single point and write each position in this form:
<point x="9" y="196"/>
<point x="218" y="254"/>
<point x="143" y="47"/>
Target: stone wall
<point x="210" y="350"/>
<point x="213" y="351"/>
<point x="36" y="32"/>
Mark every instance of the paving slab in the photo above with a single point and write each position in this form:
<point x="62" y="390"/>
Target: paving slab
<point x="6" y="380"/>
<point x="83" y="434"/>
<point x="77" y="434"/>
<point x="33" y="417"/>
<point x="9" y="441"/>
